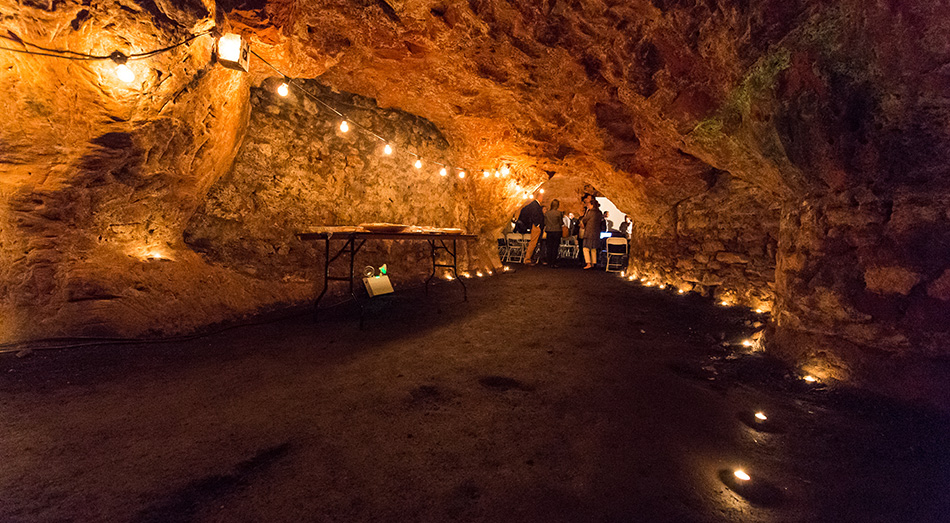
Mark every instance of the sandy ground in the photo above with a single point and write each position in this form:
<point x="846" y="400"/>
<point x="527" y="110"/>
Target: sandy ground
<point x="529" y="402"/>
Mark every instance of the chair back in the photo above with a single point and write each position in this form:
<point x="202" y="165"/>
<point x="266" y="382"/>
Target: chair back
<point x="616" y="244"/>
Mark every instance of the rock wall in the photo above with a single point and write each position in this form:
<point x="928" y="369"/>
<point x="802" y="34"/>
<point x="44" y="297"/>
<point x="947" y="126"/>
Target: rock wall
<point x="721" y="242"/>
<point x="297" y="170"/>
<point x="832" y="115"/>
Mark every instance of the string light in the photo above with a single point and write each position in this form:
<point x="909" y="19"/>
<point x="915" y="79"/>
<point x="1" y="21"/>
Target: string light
<point x="418" y="164"/>
<point x="124" y="73"/>
<point x="486" y="174"/>
<point x="741" y="474"/>
<point x="497" y="174"/>
<point x="231" y="51"/>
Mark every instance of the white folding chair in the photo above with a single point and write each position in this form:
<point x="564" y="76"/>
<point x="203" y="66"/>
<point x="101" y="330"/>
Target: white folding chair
<point x="516" y="247"/>
<point x="503" y="249"/>
<point x="616" y="250"/>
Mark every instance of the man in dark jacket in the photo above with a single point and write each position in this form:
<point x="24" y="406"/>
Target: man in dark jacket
<point x="532" y="216"/>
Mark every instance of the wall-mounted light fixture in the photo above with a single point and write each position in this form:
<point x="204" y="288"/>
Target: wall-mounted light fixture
<point x="233" y="52"/>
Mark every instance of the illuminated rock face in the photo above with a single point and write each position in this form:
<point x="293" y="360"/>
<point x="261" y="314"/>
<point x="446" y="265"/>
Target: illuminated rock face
<point x="296" y="170"/>
<point x="808" y="136"/>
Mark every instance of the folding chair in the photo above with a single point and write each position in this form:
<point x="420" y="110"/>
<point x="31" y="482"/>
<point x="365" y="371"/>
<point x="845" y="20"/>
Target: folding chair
<point x="503" y="249"/>
<point x="516" y="247"/>
<point x="616" y="251"/>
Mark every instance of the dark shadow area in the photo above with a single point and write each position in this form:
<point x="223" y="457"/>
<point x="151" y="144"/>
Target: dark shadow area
<point x="184" y="503"/>
<point x="550" y="395"/>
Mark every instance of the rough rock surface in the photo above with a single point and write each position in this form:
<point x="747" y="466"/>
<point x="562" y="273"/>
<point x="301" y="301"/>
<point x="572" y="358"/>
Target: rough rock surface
<point x="296" y="171"/>
<point x="831" y="115"/>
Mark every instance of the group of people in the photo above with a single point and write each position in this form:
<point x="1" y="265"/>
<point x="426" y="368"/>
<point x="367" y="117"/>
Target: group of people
<point x="555" y="225"/>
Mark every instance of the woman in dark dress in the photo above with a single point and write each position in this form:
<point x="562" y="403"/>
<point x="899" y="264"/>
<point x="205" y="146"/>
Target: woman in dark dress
<point x="592" y="222"/>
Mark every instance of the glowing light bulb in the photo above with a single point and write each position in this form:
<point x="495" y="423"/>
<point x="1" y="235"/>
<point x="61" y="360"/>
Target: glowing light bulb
<point x="746" y="343"/>
<point x="448" y="277"/>
<point x="466" y="275"/>
<point x="418" y="164"/>
<point x="541" y="191"/>
<point x="742" y="475"/>
<point x="681" y="291"/>
<point x="724" y="303"/>
<point x="662" y="285"/>
<point x="486" y="174"/>
<point x="479" y="274"/>
<point x="497" y="174"/>
<point x="443" y="172"/>
<point x="388" y="149"/>
<point x="344" y="127"/>
<point x="283" y="90"/>
<point x="461" y="174"/>
<point x="643" y="280"/>
<point x="505" y="170"/>
<point x="810" y="379"/>
<point x="761" y="416"/>
<point x="507" y="268"/>
<point x="124" y="73"/>
<point x="759" y="311"/>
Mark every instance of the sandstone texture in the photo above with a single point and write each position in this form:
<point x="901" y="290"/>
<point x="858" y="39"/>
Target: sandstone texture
<point x="786" y="154"/>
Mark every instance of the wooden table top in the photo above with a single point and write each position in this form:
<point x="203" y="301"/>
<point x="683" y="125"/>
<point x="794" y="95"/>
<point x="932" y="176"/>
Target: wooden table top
<point x="407" y="235"/>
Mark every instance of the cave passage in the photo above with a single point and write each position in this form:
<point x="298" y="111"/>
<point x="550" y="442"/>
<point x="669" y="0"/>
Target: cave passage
<point x="550" y="395"/>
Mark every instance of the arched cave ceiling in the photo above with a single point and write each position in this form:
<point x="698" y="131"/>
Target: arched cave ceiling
<point x="610" y="91"/>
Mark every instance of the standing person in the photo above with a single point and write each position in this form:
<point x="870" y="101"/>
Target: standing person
<point x="532" y="216"/>
<point x="585" y="198"/>
<point x="592" y="222"/>
<point x="553" y="226"/>
<point x="625" y="226"/>
<point x="608" y="223"/>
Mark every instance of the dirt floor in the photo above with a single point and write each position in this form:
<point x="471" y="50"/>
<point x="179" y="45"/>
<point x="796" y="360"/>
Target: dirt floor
<point x="533" y="401"/>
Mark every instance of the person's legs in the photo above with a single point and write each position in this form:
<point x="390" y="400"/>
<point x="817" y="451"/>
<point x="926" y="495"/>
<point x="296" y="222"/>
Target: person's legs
<point x="587" y="253"/>
<point x="554" y="244"/>
<point x="532" y="244"/>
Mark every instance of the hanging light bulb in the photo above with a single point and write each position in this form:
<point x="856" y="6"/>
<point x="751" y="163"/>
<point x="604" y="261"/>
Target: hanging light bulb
<point x="443" y="172"/>
<point x="541" y="191"/>
<point x="124" y="73"/>
<point x="505" y="170"/>
<point x="283" y="90"/>
<point x="461" y="174"/>
<point x="121" y="69"/>
<point x="418" y="164"/>
<point x="344" y="126"/>
<point x="497" y="174"/>
<point x="486" y="174"/>
<point x="388" y="149"/>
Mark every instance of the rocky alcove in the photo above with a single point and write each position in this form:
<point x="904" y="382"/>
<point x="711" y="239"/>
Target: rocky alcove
<point x="784" y="155"/>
